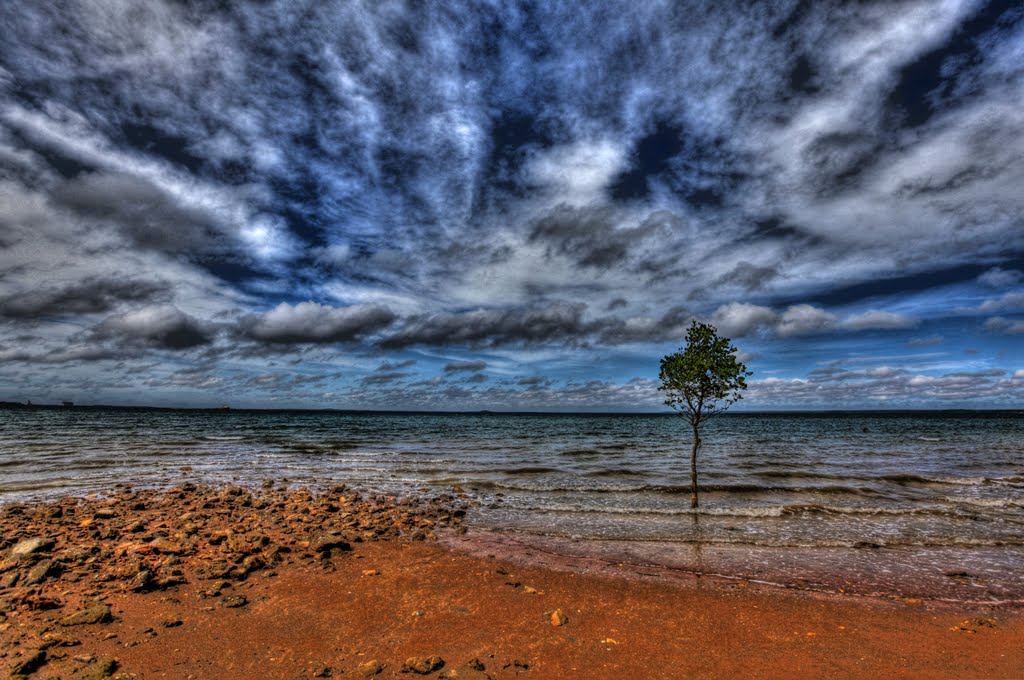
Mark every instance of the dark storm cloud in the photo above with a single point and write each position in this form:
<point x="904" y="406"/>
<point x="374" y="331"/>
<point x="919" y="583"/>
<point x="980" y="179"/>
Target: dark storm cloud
<point x="749" y="276"/>
<point x="558" y="322"/>
<point x="670" y="326"/>
<point x="146" y="214"/>
<point x="160" y="327"/>
<point x="389" y="366"/>
<point x="471" y="366"/>
<point x="90" y="296"/>
<point x="382" y="378"/>
<point x="311" y="322"/>
<point x="590" y="237"/>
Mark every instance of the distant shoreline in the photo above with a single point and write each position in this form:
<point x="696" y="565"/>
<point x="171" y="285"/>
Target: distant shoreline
<point x="811" y="413"/>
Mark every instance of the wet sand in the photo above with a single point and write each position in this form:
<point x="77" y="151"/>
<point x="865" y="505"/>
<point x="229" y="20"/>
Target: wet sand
<point x="226" y="583"/>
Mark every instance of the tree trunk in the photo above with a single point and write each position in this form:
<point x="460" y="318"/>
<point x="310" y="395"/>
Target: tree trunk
<point x="693" y="466"/>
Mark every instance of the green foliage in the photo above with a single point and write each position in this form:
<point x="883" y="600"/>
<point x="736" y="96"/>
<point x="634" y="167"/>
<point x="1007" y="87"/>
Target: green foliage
<point x="704" y="378"/>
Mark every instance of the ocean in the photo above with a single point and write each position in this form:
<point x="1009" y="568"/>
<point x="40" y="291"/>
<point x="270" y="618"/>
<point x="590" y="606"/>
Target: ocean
<point x="915" y="504"/>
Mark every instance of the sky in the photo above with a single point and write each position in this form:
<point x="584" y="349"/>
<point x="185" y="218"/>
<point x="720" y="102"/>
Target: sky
<point x="510" y="206"/>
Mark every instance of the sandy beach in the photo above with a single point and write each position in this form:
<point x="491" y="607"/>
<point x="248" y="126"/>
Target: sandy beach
<point x="277" y="583"/>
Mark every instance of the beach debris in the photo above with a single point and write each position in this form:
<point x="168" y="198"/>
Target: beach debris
<point x="422" y="665"/>
<point x="370" y="668"/>
<point x="558" y="618"/>
<point x="97" y="613"/>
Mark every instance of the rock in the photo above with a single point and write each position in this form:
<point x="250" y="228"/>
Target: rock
<point x="98" y="670"/>
<point x="234" y="601"/>
<point x="55" y="640"/>
<point x="371" y="572"/>
<point x="370" y="668"/>
<point x="104" y="513"/>
<point x="558" y="618"/>
<point x="141" y="581"/>
<point x="172" y="622"/>
<point x="30" y="664"/>
<point x="166" y="546"/>
<point x="320" y="670"/>
<point x="324" y="542"/>
<point x="97" y="613"/>
<point x="473" y="670"/>
<point x="422" y="664"/>
<point x="30" y="546"/>
<point x="10" y="579"/>
<point x="38" y="573"/>
<point x="213" y="570"/>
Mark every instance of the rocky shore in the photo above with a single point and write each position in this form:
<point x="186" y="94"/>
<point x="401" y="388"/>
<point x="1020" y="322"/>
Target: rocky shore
<point x="199" y="582"/>
<point x="62" y="562"/>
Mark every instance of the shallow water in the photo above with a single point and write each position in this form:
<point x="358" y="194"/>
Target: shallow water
<point x="924" y="494"/>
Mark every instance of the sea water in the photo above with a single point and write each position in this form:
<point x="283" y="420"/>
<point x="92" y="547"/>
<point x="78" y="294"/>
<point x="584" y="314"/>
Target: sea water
<point x="915" y="503"/>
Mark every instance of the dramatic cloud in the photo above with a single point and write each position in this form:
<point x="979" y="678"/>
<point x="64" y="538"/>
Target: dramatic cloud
<point x="163" y="326"/>
<point x="743" y="319"/>
<point x="1010" y="302"/>
<point x="555" y="323"/>
<point x="1003" y="326"/>
<point x="389" y="366"/>
<point x="470" y="366"/>
<point x="311" y="322"/>
<point x="997" y="277"/>
<point x="874" y="318"/>
<point x="90" y="296"/>
<point x="363" y="191"/>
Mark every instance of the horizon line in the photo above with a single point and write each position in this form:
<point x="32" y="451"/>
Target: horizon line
<point x="15" y="405"/>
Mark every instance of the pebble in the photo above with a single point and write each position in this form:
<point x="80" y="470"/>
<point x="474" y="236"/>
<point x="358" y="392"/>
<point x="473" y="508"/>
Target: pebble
<point x="558" y="618"/>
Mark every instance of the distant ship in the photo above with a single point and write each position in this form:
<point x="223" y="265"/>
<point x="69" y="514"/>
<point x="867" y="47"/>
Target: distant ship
<point x="68" y="403"/>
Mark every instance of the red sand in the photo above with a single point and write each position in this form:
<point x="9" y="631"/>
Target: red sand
<point x="428" y="600"/>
